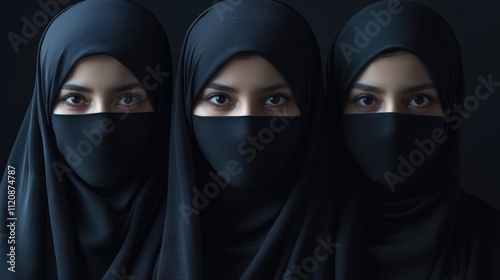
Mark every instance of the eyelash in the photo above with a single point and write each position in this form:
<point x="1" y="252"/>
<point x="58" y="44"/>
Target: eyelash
<point x="357" y="98"/>
<point x="431" y="99"/>
<point x="281" y="95"/>
<point x="220" y="107"/>
<point x="209" y="97"/>
<point x="65" y="97"/>
<point x="214" y="94"/>
<point x="68" y="95"/>
<point x="138" y="99"/>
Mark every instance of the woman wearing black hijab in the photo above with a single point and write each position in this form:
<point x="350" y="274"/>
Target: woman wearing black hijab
<point x="90" y="186"/>
<point x="241" y="185"/>
<point x="404" y="216"/>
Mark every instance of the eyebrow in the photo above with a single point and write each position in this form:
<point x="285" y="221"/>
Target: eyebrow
<point x="368" y="88"/>
<point x="74" y="87"/>
<point x="412" y="89"/>
<point x="419" y="88"/>
<point x="221" y="87"/>
<point x="118" y="89"/>
<point x="274" y="87"/>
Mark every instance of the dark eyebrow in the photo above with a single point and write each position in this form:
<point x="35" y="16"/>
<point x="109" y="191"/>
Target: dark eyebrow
<point x="412" y="89"/>
<point x="74" y="87"/>
<point x="274" y="87"/>
<point x="225" y="88"/>
<point x="419" y="88"/>
<point x="118" y="89"/>
<point x="126" y="87"/>
<point x="368" y="88"/>
<point x="221" y="87"/>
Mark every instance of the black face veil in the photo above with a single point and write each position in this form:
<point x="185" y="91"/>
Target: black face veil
<point x="416" y="229"/>
<point x="86" y="200"/>
<point x="248" y="230"/>
<point x="390" y="26"/>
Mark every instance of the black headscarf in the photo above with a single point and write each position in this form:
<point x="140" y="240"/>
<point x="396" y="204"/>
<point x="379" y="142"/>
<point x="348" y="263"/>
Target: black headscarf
<point x="425" y="228"/>
<point x="96" y="211"/>
<point x="250" y="231"/>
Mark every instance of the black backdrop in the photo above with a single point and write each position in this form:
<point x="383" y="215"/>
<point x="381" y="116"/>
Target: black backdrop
<point x="476" y="24"/>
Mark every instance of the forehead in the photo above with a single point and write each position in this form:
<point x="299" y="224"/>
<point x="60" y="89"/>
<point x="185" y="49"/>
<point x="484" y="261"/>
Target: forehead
<point x="100" y="69"/>
<point x="248" y="69"/>
<point x="395" y="68"/>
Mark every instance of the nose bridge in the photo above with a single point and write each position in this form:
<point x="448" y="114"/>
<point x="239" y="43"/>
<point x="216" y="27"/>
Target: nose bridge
<point x="390" y="106"/>
<point x="101" y="103"/>
<point x="248" y="106"/>
<point x="392" y="103"/>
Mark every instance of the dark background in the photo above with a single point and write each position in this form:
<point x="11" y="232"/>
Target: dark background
<point x="476" y="24"/>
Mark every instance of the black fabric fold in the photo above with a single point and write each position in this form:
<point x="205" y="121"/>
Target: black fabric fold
<point x="67" y="227"/>
<point x="260" y="232"/>
<point x="427" y="228"/>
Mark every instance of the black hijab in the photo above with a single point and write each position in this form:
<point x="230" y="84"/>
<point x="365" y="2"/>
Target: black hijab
<point x="256" y="230"/>
<point x="90" y="190"/>
<point x="423" y="227"/>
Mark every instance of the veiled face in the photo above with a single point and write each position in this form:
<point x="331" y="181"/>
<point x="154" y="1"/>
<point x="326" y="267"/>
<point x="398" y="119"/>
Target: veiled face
<point x="100" y="83"/>
<point x="396" y="82"/>
<point x="247" y="86"/>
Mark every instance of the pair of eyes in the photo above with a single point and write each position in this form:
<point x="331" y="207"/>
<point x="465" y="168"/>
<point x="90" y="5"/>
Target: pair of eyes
<point x="222" y="99"/>
<point x="76" y="99"/>
<point x="365" y="100"/>
<point x="418" y="101"/>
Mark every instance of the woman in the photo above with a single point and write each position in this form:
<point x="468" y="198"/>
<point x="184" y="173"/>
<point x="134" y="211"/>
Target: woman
<point x="395" y="75"/>
<point x="88" y="169"/>
<point x="244" y="165"/>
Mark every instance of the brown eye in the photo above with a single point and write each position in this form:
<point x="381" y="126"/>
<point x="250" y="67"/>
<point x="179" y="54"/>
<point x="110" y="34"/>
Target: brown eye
<point x="365" y="101"/>
<point x="73" y="99"/>
<point x="276" y="100"/>
<point x="419" y="101"/>
<point x="128" y="100"/>
<point x="219" y="99"/>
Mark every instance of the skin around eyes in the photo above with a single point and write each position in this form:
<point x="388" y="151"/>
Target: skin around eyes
<point x="247" y="86"/>
<point x="99" y="84"/>
<point x="397" y="82"/>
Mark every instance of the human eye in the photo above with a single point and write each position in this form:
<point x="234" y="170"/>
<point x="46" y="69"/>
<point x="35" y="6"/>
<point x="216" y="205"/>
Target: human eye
<point x="365" y="100"/>
<point x="74" y="99"/>
<point x="420" y="101"/>
<point x="129" y="99"/>
<point x="218" y="99"/>
<point x="276" y="100"/>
